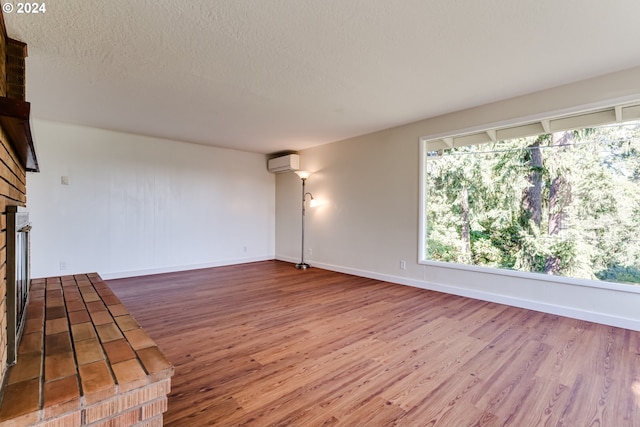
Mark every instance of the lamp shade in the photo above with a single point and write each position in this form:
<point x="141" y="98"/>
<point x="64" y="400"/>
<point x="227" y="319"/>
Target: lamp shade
<point x="303" y="174"/>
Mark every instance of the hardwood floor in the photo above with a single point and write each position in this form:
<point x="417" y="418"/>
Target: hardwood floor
<point x="264" y="344"/>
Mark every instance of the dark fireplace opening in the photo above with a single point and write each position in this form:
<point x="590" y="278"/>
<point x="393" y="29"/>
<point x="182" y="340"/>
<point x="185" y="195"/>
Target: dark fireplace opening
<point x="18" y="277"/>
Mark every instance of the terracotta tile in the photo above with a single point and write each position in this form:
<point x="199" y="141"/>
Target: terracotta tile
<point x="155" y="362"/>
<point x="85" y="287"/>
<point x="71" y="292"/>
<point x="75" y="305"/>
<point x="59" y="365"/>
<point x="104" y="291"/>
<point x="56" y="326"/>
<point x="110" y="300"/>
<point x="20" y="399"/>
<point x="127" y="322"/>
<point x="88" y="351"/>
<point x="54" y="291"/>
<point x="79" y="317"/>
<point x="39" y="282"/>
<point x="36" y="289"/>
<point x="108" y="332"/>
<point x="31" y="343"/>
<point x="67" y="281"/>
<point x="56" y="313"/>
<point x="35" y="309"/>
<point x="90" y="296"/>
<point x="61" y="391"/>
<point x="33" y="325"/>
<point x="55" y="302"/>
<point x="58" y="343"/>
<point x="101" y="317"/>
<point x="28" y="367"/>
<point x="83" y="331"/>
<point x="95" y="377"/>
<point x="94" y="306"/>
<point x="31" y="419"/>
<point x="118" y="351"/>
<point x="118" y="310"/>
<point x="138" y="339"/>
<point x="35" y="321"/>
<point x="129" y="375"/>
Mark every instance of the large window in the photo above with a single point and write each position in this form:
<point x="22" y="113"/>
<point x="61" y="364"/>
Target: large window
<point x="563" y="203"/>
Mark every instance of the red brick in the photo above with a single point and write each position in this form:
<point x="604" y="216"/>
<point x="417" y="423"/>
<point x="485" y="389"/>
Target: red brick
<point x="155" y="408"/>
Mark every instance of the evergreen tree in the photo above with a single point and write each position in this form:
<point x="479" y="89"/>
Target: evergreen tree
<point x="566" y="203"/>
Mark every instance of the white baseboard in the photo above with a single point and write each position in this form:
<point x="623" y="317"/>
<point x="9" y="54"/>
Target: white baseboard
<point x="177" y="268"/>
<point x="590" y="316"/>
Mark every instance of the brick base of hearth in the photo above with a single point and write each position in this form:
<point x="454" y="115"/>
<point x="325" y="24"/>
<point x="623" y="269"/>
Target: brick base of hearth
<point x="84" y="361"/>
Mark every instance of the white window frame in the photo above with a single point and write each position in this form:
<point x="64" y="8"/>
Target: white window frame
<point x="509" y="130"/>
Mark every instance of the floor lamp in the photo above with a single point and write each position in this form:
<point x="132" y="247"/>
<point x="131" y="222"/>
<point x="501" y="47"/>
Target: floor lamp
<point x="303" y="176"/>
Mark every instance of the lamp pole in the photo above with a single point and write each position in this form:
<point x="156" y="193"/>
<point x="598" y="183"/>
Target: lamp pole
<point x="303" y="175"/>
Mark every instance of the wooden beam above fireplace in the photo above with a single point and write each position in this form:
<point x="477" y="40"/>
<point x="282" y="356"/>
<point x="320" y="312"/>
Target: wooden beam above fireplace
<point x="14" y="119"/>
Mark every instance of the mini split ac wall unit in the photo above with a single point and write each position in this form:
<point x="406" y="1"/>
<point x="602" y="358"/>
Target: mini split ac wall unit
<point x="288" y="163"/>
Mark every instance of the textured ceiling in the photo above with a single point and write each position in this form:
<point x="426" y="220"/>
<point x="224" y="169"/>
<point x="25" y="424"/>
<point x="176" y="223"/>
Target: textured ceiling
<point x="271" y="75"/>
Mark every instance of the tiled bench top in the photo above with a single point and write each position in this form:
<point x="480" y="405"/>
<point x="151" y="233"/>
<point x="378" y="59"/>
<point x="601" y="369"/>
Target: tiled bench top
<point x="80" y="346"/>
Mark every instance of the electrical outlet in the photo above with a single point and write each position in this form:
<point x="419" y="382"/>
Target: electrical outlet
<point x="244" y="249"/>
<point x="403" y="264"/>
<point x="310" y="251"/>
<point x="63" y="265"/>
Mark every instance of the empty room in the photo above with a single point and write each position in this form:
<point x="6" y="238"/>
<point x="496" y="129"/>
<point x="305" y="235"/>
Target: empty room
<point x="320" y="213"/>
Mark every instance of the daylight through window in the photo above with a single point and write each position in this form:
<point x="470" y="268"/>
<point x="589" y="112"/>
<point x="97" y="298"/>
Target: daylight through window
<point x="563" y="203"/>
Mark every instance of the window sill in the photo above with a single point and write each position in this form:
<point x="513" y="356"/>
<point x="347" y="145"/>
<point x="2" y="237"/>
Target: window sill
<point x="535" y="276"/>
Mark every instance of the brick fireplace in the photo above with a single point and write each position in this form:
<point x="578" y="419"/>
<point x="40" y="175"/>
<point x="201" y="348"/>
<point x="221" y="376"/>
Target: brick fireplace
<point x="16" y="158"/>
<point x="84" y="361"/>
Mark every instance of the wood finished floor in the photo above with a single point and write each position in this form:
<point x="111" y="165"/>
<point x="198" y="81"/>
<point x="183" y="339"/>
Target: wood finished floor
<point x="264" y="344"/>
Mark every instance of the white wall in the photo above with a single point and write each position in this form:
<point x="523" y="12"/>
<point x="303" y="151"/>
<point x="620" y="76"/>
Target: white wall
<point x="139" y="205"/>
<point x="369" y="220"/>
